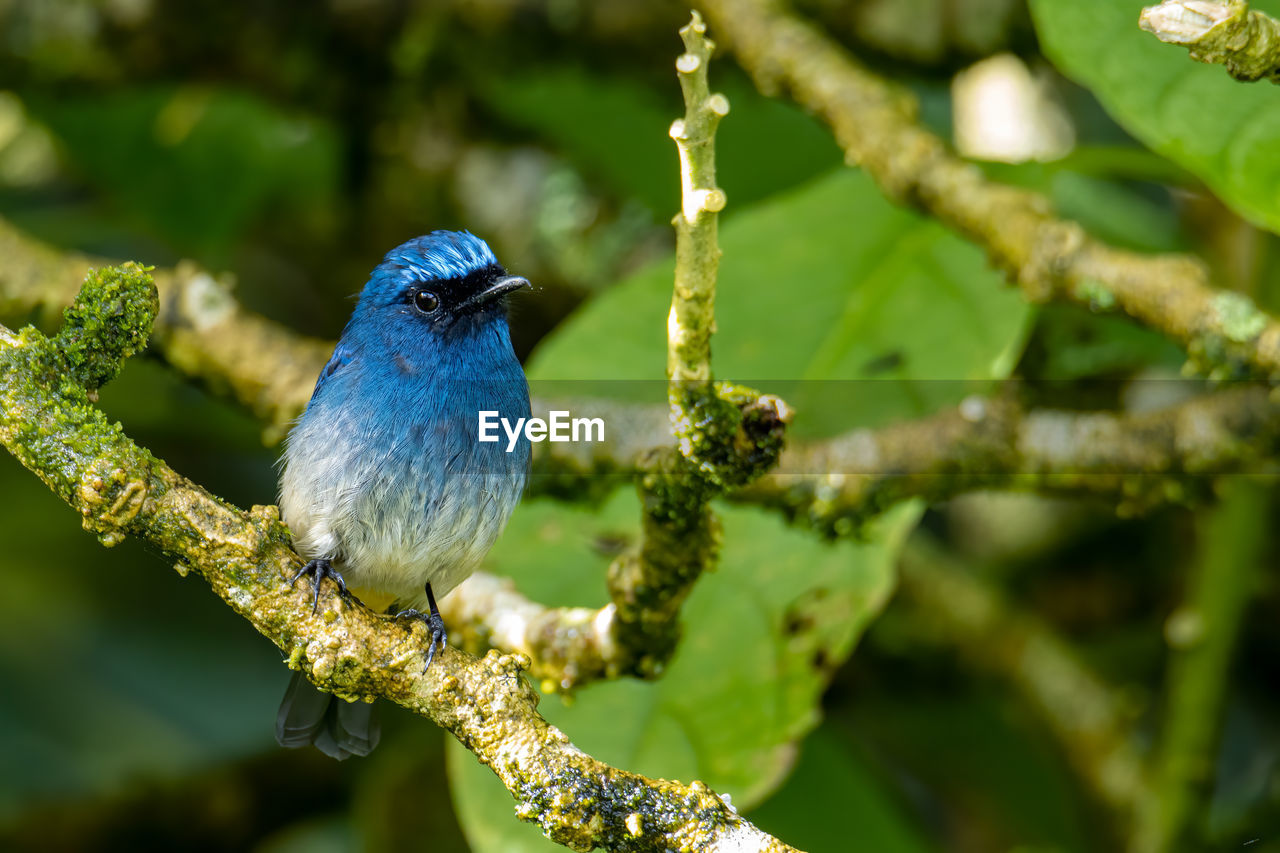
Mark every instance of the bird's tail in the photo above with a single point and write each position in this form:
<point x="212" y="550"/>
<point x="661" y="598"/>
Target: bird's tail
<point x="334" y="726"/>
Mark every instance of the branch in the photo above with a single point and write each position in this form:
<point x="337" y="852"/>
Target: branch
<point x="692" y="318"/>
<point x="1137" y="461"/>
<point x="1202" y="635"/>
<point x="725" y="435"/>
<point x="49" y="424"/>
<point x="834" y="486"/>
<point x="201" y="329"/>
<point x="1079" y="709"/>
<point x="1221" y="33"/>
<point x="1048" y="258"/>
<point x="207" y="335"/>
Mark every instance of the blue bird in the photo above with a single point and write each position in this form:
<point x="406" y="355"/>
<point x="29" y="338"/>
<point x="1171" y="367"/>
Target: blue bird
<point x="385" y="485"/>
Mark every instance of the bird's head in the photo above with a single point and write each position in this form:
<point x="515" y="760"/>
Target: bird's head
<point x="442" y="281"/>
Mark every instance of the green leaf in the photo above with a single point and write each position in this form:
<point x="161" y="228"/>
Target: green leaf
<point x="834" y="797"/>
<point x="762" y="636"/>
<point x="1223" y="131"/>
<point x="1077" y="344"/>
<point x="126" y="703"/>
<point x="983" y="760"/>
<point x="821" y="285"/>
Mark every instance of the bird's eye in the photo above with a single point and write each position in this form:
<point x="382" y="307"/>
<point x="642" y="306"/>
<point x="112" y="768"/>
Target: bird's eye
<point x="426" y="302"/>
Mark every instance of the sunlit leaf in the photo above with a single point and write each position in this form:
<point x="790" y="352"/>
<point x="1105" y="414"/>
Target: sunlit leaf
<point x="1223" y="131"/>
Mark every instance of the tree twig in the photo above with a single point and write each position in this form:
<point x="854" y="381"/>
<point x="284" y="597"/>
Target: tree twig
<point x="1221" y="33"/>
<point x="1048" y="258"/>
<point x="725" y="436"/>
<point x="49" y="424"/>
<point x="692" y="317"/>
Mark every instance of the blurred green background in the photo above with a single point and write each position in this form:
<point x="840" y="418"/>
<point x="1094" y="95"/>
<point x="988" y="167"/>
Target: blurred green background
<point x="292" y="143"/>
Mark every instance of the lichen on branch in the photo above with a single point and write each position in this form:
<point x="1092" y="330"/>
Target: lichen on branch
<point x="1225" y="33"/>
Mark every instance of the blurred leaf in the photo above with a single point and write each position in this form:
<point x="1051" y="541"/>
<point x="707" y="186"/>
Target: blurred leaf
<point x="1116" y="214"/>
<point x="198" y="165"/>
<point x="1071" y="343"/>
<point x="1223" y="131"/>
<point x="988" y="768"/>
<point x="822" y="285"/>
<point x="120" y="668"/>
<point x="832" y="799"/>
<point x="1119" y="162"/>
<point x="762" y="636"/>
<point x="1077" y="344"/>
<point x="616" y="128"/>
<point x="1083" y="189"/>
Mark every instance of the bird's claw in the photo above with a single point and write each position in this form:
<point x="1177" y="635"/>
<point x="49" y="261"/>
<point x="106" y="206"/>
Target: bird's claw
<point x="435" y="631"/>
<point x="319" y="570"/>
<point x="435" y="625"/>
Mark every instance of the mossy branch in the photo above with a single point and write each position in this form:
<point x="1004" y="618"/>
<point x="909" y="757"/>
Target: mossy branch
<point x="1136" y="461"/>
<point x="48" y="422"/>
<point x="1220" y="33"/>
<point x="725" y="436"/>
<point x="1048" y="258"/>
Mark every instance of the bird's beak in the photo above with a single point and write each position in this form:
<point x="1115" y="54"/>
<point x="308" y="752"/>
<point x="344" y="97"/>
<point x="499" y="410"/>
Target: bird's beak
<point x="495" y="291"/>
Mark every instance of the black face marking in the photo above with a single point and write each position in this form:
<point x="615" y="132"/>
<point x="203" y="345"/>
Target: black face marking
<point x="439" y="298"/>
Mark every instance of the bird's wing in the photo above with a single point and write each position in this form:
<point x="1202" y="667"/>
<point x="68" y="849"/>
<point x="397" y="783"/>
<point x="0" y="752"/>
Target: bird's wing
<point x="342" y="356"/>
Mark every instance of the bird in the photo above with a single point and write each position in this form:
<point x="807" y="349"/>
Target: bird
<point x="384" y="484"/>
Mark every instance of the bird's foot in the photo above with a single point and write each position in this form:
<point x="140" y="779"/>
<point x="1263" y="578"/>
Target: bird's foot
<point x="319" y="570"/>
<point x="435" y="626"/>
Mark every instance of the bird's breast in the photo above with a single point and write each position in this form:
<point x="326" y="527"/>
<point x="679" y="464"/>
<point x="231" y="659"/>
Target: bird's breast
<point x="397" y="489"/>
